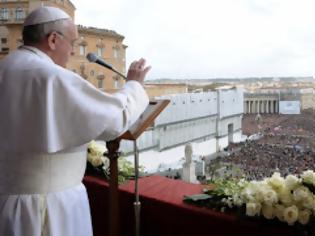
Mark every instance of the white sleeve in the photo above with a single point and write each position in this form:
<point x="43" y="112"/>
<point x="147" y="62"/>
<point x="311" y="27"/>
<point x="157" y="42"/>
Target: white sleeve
<point x="92" y="114"/>
<point x="49" y="109"/>
<point x="135" y="99"/>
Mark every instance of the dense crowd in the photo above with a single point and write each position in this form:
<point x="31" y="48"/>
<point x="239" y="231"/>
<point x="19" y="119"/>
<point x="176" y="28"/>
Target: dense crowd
<point x="256" y="161"/>
<point x="287" y="146"/>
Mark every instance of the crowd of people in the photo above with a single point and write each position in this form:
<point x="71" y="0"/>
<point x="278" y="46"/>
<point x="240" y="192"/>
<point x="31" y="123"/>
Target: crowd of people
<point x="287" y="146"/>
<point x="256" y="161"/>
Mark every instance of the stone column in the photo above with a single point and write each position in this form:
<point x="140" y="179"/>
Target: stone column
<point x="272" y="107"/>
<point x="189" y="169"/>
<point x="249" y="111"/>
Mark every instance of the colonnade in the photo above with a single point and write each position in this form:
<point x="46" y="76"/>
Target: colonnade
<point x="261" y="106"/>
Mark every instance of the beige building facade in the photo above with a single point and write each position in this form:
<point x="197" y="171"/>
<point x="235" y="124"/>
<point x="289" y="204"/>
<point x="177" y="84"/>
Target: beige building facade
<point x="107" y="44"/>
<point x="157" y="90"/>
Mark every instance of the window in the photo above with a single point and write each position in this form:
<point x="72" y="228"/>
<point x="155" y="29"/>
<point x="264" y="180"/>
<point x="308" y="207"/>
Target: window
<point x="100" y="83"/>
<point x="5" y="50"/>
<point x="82" y="50"/>
<point x="115" y="83"/>
<point x="4" y="14"/>
<point x="115" y="51"/>
<point x="4" y="40"/>
<point x="92" y="73"/>
<point x="100" y="51"/>
<point x="19" y="13"/>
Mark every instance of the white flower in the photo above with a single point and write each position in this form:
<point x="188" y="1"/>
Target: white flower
<point x="309" y="201"/>
<point x="285" y="196"/>
<point x="300" y="193"/>
<point x="124" y="165"/>
<point x="251" y="193"/>
<point x="270" y="196"/>
<point x="304" y="216"/>
<point x="96" y="161"/>
<point x="308" y="177"/>
<point x="95" y="154"/>
<point x="96" y="149"/>
<point x="228" y="201"/>
<point x="253" y="209"/>
<point x="291" y="182"/>
<point x="287" y="199"/>
<point x="276" y="181"/>
<point x="291" y="214"/>
<point x="238" y="201"/>
<point x="268" y="211"/>
<point x="279" y="212"/>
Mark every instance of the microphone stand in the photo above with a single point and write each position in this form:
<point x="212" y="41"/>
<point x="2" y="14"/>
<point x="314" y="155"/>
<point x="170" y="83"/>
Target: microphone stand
<point x="137" y="203"/>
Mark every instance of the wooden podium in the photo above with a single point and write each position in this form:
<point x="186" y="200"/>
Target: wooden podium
<point x="145" y="120"/>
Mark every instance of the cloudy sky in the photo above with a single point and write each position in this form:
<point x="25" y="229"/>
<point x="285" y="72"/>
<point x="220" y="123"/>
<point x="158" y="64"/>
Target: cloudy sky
<point x="211" y="38"/>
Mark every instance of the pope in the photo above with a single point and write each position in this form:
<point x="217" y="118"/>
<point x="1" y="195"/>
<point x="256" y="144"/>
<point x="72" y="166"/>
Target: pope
<point x="48" y="114"/>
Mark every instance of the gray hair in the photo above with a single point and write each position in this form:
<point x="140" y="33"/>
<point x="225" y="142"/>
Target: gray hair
<point x="33" y="34"/>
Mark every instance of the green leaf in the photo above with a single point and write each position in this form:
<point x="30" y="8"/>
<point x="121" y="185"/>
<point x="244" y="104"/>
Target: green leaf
<point x="197" y="197"/>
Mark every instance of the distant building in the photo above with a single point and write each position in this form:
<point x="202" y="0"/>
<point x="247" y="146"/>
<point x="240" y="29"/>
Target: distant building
<point x="279" y="100"/>
<point x="157" y="90"/>
<point x="214" y="116"/>
<point x="105" y="43"/>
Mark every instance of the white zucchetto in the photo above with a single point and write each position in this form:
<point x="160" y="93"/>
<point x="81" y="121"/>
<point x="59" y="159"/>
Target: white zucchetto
<point x="44" y="15"/>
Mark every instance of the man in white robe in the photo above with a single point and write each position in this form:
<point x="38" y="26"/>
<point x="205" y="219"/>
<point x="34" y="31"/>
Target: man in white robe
<point x="47" y="115"/>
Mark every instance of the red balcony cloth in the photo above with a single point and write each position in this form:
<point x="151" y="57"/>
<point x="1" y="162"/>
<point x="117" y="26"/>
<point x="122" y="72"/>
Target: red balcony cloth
<point x="164" y="213"/>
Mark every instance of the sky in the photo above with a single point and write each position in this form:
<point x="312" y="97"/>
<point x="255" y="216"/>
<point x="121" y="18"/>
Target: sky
<point x="201" y="39"/>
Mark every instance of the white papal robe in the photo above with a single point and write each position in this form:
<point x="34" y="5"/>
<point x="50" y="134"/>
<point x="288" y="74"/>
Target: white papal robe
<point x="47" y="115"/>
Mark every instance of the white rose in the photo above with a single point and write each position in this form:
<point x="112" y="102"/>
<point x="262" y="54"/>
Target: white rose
<point x="308" y="177"/>
<point x="276" y="181"/>
<point x="270" y="196"/>
<point x="251" y="192"/>
<point x="96" y="161"/>
<point x="291" y="214"/>
<point x="253" y="209"/>
<point x="291" y="182"/>
<point x="268" y="211"/>
<point x="304" y="216"/>
<point x="96" y="149"/>
<point x="279" y="212"/>
<point x="300" y="193"/>
<point x="309" y="201"/>
<point x="285" y="196"/>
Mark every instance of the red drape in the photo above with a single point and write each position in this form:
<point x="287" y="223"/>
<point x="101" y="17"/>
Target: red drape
<point x="163" y="211"/>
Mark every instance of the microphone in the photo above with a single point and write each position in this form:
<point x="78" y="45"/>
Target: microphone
<point x="93" y="58"/>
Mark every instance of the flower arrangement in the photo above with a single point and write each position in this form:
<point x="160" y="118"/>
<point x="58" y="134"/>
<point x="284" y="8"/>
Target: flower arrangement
<point x="290" y="199"/>
<point x="98" y="164"/>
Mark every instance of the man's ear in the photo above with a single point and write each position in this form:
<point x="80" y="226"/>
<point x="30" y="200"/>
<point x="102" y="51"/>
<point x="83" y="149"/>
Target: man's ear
<point x="52" y="39"/>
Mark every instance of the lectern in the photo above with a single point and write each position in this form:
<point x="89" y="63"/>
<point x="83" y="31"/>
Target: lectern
<point x="146" y="119"/>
